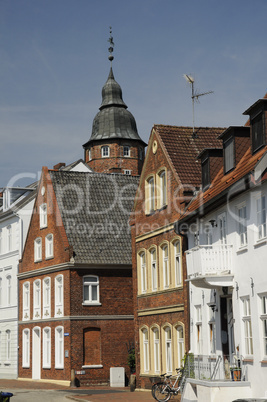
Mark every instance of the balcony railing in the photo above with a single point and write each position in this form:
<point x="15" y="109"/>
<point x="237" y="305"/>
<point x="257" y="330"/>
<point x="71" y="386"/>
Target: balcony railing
<point x="208" y="260"/>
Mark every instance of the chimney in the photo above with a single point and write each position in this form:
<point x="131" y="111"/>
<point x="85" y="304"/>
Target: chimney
<point x="59" y="166"/>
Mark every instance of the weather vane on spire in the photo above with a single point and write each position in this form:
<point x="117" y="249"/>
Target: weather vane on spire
<point x="111" y="48"/>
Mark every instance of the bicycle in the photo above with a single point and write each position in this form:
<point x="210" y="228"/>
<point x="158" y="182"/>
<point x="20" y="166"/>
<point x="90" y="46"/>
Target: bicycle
<point x="163" y="390"/>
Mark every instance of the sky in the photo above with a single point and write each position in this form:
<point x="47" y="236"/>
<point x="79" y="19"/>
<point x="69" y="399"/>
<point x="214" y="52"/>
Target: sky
<point x="54" y="63"/>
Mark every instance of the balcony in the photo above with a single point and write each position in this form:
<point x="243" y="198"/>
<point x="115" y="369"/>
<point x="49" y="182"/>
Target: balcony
<point x="210" y="266"/>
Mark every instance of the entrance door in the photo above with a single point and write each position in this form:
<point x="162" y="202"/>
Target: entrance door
<point x="36" y="353"/>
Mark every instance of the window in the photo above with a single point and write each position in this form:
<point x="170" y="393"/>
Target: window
<point x="154" y="272"/>
<point x="208" y="237"/>
<point x="105" y="151"/>
<point x="263" y="318"/>
<point x="177" y="263"/>
<point x="247" y="326"/>
<point x="59" y="348"/>
<point x="165" y="264"/>
<point x="91" y="289"/>
<point x="8" y="282"/>
<point x="180" y="344"/>
<point x="49" y="246"/>
<point x="90" y="154"/>
<point x="26" y="301"/>
<point x="1" y="292"/>
<point x="198" y="313"/>
<point x="126" y="151"/>
<point x="59" y="296"/>
<point x="92" y="347"/>
<point x="142" y="257"/>
<point x="163" y="188"/>
<point x="257" y="132"/>
<point x="38" y="249"/>
<point x="9" y="238"/>
<point x="150" y="195"/>
<point x="1" y="242"/>
<point x="145" y="350"/>
<point x="8" y="345"/>
<point x="242" y="225"/>
<point x="37" y="299"/>
<point x="127" y="171"/>
<point x="43" y="216"/>
<point x="229" y="157"/>
<point x="141" y="154"/>
<point x="46" y="297"/>
<point x="261" y="217"/>
<point x="212" y="331"/>
<point x="26" y="348"/>
<point x="222" y="228"/>
<point x="205" y="173"/>
<point x="168" y="349"/>
<point x="47" y="347"/>
<point x="156" y="350"/>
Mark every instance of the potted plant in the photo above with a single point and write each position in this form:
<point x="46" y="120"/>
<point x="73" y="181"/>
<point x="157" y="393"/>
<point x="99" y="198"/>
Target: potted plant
<point x="236" y="369"/>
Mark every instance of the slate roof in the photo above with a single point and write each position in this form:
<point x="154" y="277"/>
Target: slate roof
<point x="183" y="149"/>
<point x="95" y="209"/>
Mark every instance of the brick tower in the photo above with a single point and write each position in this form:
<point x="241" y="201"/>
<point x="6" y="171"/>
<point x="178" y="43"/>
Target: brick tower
<point x="114" y="145"/>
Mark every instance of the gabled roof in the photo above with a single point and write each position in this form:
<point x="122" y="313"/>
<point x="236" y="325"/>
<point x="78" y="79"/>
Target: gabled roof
<point x="95" y="209"/>
<point x="183" y="149"/>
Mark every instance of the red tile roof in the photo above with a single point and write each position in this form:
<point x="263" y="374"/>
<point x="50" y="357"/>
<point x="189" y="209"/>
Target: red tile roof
<point x="183" y="149"/>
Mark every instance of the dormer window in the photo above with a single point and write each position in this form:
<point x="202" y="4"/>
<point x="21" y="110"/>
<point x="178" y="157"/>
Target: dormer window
<point x="205" y="173"/>
<point x="257" y="132"/>
<point x="229" y="155"/>
<point x="105" y="151"/>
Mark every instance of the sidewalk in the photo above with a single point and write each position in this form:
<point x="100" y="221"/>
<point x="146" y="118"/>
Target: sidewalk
<point x="89" y="393"/>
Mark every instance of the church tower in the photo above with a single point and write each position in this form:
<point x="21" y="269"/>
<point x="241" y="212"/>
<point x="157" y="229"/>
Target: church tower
<point x="114" y="145"/>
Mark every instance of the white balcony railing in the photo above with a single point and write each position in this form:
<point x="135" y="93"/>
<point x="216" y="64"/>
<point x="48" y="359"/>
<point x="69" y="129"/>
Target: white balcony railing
<point x="208" y="260"/>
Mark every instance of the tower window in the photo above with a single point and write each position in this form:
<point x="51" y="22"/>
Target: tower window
<point x="126" y="151"/>
<point x="105" y="151"/>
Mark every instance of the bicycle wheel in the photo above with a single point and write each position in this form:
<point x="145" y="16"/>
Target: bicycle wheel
<point x="161" y="392"/>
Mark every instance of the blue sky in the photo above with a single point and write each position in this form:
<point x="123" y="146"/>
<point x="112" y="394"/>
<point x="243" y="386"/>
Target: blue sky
<point x="54" y="63"/>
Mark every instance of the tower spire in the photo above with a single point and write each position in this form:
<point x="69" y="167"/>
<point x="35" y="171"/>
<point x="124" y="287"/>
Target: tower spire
<point x="111" y="48"/>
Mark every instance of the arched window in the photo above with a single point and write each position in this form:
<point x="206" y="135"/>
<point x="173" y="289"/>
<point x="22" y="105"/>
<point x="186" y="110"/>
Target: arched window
<point x="49" y="246"/>
<point x="38" y="249"/>
<point x="126" y="151"/>
<point x="154" y="271"/>
<point x="46" y="298"/>
<point x="47" y="347"/>
<point x="145" y="347"/>
<point x="90" y="289"/>
<point x="8" y="345"/>
<point x="26" y="300"/>
<point x="165" y="264"/>
<point x="105" y="151"/>
<point x="43" y="216"/>
<point x="163" y="188"/>
<point x="156" y="347"/>
<point x="59" y="348"/>
<point x="168" y="349"/>
<point x="8" y="283"/>
<point x="9" y="238"/>
<point x="150" y="195"/>
<point x="26" y="348"/>
<point x="59" y="296"/>
<point x="37" y="299"/>
<point x="177" y="263"/>
<point x="180" y="344"/>
<point x="142" y="257"/>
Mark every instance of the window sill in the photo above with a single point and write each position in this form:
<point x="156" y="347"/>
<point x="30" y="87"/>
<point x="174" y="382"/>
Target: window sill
<point x="92" y="304"/>
<point x="49" y="258"/>
<point x="260" y="242"/>
<point x="7" y="363"/>
<point x="59" y="368"/>
<point x="96" y="366"/>
<point x="264" y="361"/>
<point x="248" y="360"/>
<point x="242" y="249"/>
<point x="38" y="260"/>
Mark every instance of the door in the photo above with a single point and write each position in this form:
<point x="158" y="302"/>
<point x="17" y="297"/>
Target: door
<point x="36" y="353"/>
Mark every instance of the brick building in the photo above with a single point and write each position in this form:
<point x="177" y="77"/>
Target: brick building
<point x="170" y="176"/>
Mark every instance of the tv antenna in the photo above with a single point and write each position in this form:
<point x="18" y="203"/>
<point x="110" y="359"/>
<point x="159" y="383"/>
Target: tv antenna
<point x="194" y="97"/>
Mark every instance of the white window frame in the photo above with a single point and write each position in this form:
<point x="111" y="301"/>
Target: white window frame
<point x="8" y="288"/>
<point x="145" y="339"/>
<point x="26" y="348"/>
<point x="222" y="224"/>
<point x="163" y="188"/>
<point x="26" y="300"/>
<point x="1" y="291"/>
<point x="168" y="349"/>
<point x="88" y="285"/>
<point x="8" y="345"/>
<point x="90" y="154"/>
<point x="47" y="347"/>
<point x="127" y="172"/>
<point x="1" y="241"/>
<point x="263" y="318"/>
<point x="154" y="270"/>
<point x="261" y="217"/>
<point x="59" y="347"/>
<point x="9" y="238"/>
<point x="156" y="345"/>
<point x="105" y="151"/>
<point x="59" y="296"/>
<point x="126" y="151"/>
<point x="38" y="249"/>
<point x="37" y="290"/>
<point x="180" y="344"/>
<point x="199" y="339"/>
<point x="177" y="262"/>
<point x="166" y="266"/>
<point x="242" y="224"/>
<point x="49" y="246"/>
<point x="151" y="194"/>
<point x="143" y="275"/>
<point x="46" y="297"/>
<point x="247" y="325"/>
<point x="43" y="215"/>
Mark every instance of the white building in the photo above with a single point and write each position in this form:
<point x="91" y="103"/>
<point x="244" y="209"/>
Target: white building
<point x="15" y="215"/>
<point x="225" y="225"/>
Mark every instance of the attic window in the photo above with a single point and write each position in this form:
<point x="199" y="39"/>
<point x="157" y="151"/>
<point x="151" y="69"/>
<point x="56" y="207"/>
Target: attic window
<point x="229" y="158"/>
<point x="205" y="174"/>
<point x="257" y="132"/>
